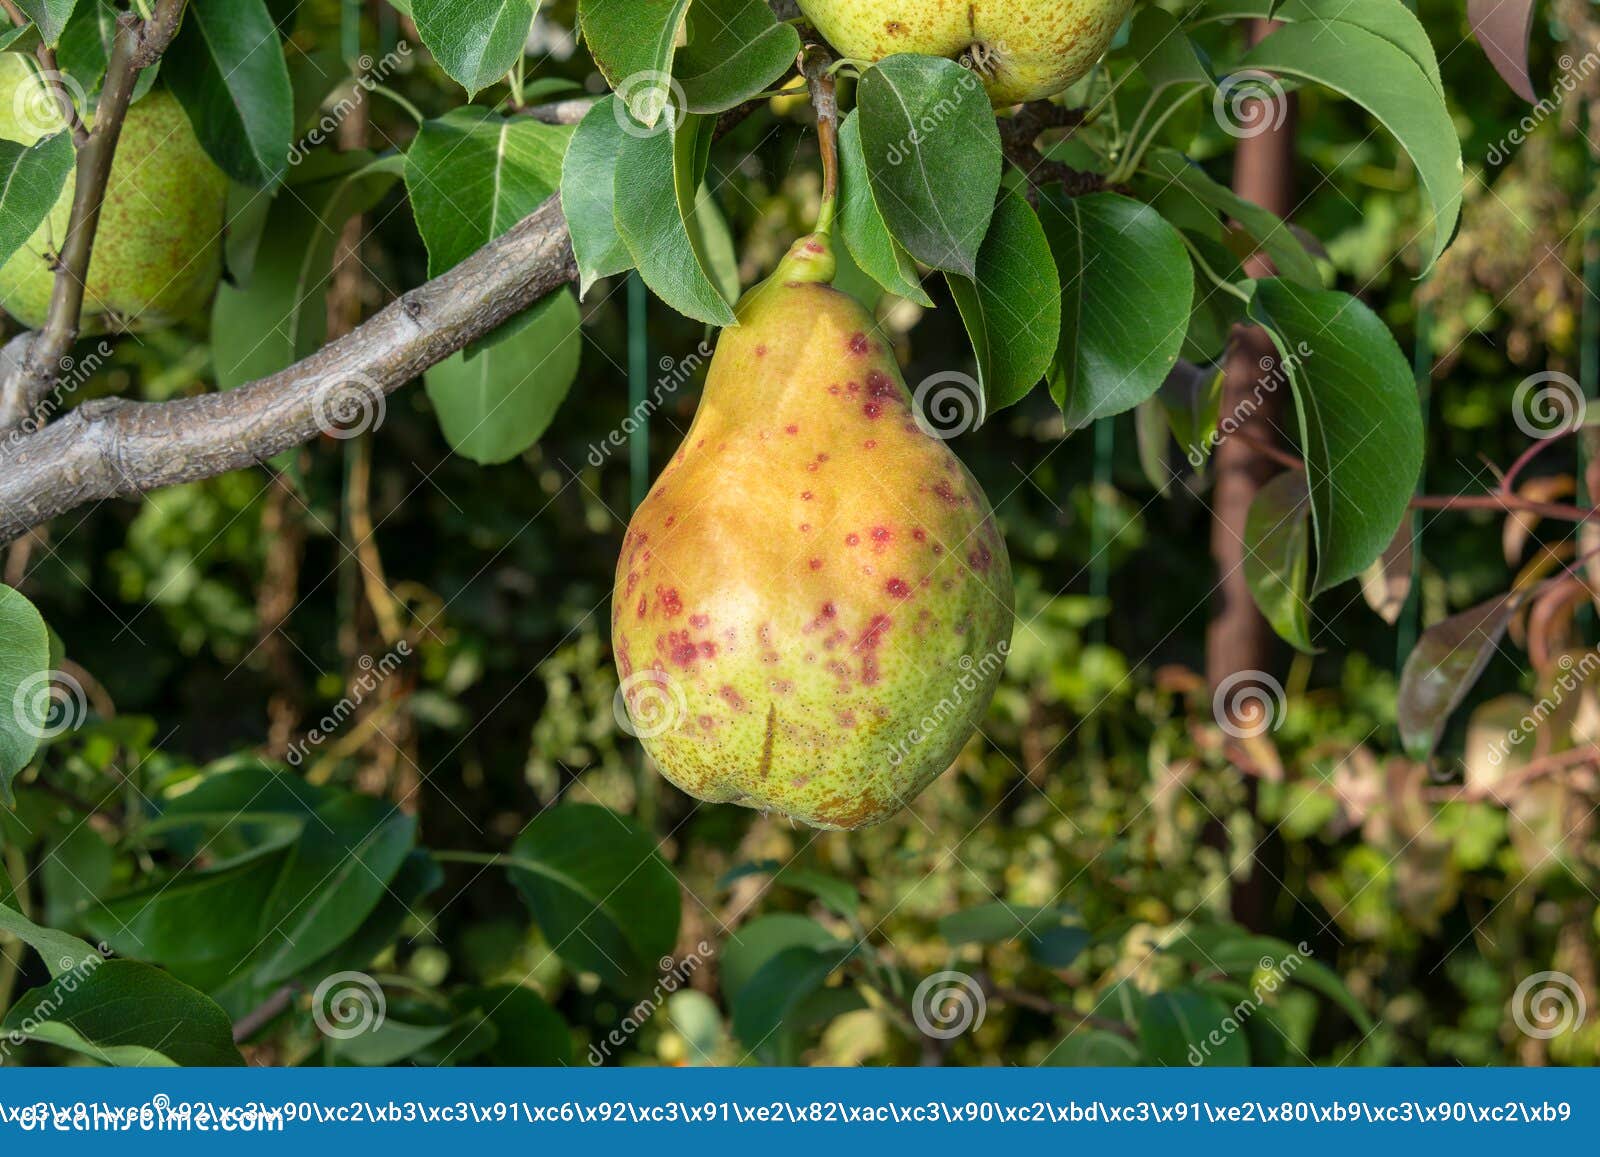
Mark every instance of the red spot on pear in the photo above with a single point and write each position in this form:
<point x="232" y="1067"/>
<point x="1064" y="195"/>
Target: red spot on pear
<point x="859" y="345"/>
<point x="897" y="589"/>
<point x="791" y="428"/>
<point x="980" y="558"/>
<point x="852" y="538"/>
<point x="816" y="564"/>
<point x="733" y="698"/>
<point x="879" y="385"/>
<point x="671" y="604"/>
<point x="699" y="622"/>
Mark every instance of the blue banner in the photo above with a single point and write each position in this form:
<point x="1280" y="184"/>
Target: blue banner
<point x="794" y="1110"/>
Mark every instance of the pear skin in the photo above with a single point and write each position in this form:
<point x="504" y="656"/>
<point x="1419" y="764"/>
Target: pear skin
<point x="813" y="605"/>
<point x="1025" y="49"/>
<point x="158" y="248"/>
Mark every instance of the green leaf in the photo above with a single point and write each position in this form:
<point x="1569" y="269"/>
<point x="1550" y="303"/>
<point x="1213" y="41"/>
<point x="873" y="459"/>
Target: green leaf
<point x="531" y="1033"/>
<point x="588" y="181"/>
<point x="600" y="893"/>
<point x="277" y="312"/>
<point x="226" y="67"/>
<point x="839" y="896"/>
<point x="633" y="43"/>
<point x="497" y="402"/>
<point x="1277" y="560"/>
<point x="121" y="1012"/>
<point x="418" y="876"/>
<point x="1186" y="1027"/>
<point x="24" y="699"/>
<point x="736" y="49"/>
<point x="49" y="16"/>
<point x="473" y="174"/>
<point x="1360" y="424"/>
<point x="31" y="179"/>
<point x="751" y="945"/>
<point x="1386" y="82"/>
<point x="1443" y="666"/>
<point x="657" y="180"/>
<point x="1055" y="936"/>
<point x="1012" y="307"/>
<point x="933" y="157"/>
<point x="1177" y="174"/>
<point x="865" y="234"/>
<point x="1094" y="1048"/>
<point x="765" y="1003"/>
<point x="1232" y="950"/>
<point x="60" y="952"/>
<point x="1126" y="289"/>
<point x="475" y="41"/>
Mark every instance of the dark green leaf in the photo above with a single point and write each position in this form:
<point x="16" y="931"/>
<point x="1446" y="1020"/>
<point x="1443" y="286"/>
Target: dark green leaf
<point x="736" y="49"/>
<point x="1186" y="1027"/>
<point x="755" y="943"/>
<point x="31" y="180"/>
<point x="1094" y="1048"/>
<point x="600" y="893"/>
<point x="24" y="686"/>
<point x="1126" y="289"/>
<point x="531" y="1033"/>
<point x="766" y="1001"/>
<point x="226" y="67"/>
<point x="838" y="895"/>
<point x="473" y="174"/>
<point x="633" y="43"/>
<point x="933" y="156"/>
<point x="475" y="41"/>
<point x="588" y="176"/>
<point x="48" y="16"/>
<point x="1012" y="306"/>
<point x="60" y="952"/>
<point x="495" y="404"/>
<point x="1277" y="560"/>
<point x="121" y="1012"/>
<point x="879" y="255"/>
<point x="1054" y="935"/>
<point x="1444" y="665"/>
<point x="1360" y="424"/>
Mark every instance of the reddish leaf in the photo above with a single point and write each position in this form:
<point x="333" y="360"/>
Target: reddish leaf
<point x="1502" y="28"/>
<point x="1446" y="662"/>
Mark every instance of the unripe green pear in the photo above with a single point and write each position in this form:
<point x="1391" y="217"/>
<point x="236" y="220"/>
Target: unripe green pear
<point x="1025" y="49"/>
<point x="813" y="605"/>
<point x="158" y="249"/>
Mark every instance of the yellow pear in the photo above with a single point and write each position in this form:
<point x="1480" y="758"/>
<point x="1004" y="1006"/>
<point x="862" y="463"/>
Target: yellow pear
<point x="1025" y="49"/>
<point x="157" y="251"/>
<point x="813" y="604"/>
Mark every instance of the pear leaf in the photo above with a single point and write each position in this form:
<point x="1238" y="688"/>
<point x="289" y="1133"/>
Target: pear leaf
<point x="875" y="250"/>
<point x="475" y="41"/>
<point x="1277" y="560"/>
<point x="24" y="690"/>
<point x="588" y="183"/>
<point x="49" y="16"/>
<point x="31" y="179"/>
<point x="1444" y="665"/>
<point x="736" y="49"/>
<point x="633" y="43"/>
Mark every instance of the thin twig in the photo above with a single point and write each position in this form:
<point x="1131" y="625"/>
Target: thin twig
<point x="264" y="1014"/>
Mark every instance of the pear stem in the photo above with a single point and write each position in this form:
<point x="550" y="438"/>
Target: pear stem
<point x="817" y="65"/>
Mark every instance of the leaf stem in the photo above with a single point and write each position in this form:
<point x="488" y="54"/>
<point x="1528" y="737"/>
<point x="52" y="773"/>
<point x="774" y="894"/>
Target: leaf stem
<point x="385" y="91"/>
<point x="1211" y="274"/>
<point x="815" y="64"/>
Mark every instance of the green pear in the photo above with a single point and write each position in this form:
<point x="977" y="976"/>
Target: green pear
<point x="1025" y="49"/>
<point x="813" y="605"/>
<point x="158" y="249"/>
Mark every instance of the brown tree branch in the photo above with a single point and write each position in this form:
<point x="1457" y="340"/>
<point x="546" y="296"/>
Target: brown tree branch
<point x="33" y="364"/>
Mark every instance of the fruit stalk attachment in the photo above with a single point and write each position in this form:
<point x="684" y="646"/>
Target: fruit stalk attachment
<point x="817" y="65"/>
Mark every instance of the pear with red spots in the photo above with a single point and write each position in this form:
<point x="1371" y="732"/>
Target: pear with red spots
<point x="813" y="603"/>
